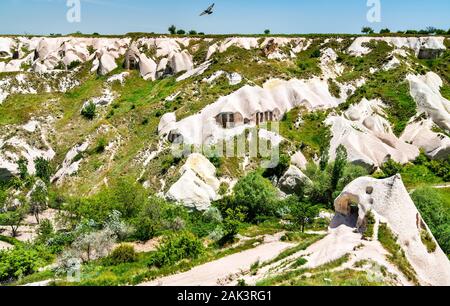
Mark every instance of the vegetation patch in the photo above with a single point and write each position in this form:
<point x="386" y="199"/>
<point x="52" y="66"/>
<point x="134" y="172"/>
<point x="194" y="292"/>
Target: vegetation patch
<point x="396" y="254"/>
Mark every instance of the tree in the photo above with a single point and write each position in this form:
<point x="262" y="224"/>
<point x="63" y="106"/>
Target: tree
<point x="385" y="31"/>
<point x="367" y="30"/>
<point x="38" y="199"/>
<point x="267" y="31"/>
<point x="192" y="32"/>
<point x="231" y="223"/>
<point x="302" y="212"/>
<point x="13" y="219"/>
<point x="181" y="32"/>
<point x="339" y="166"/>
<point x="89" y="111"/>
<point x="43" y="169"/>
<point x="391" y="168"/>
<point x="172" y="29"/>
<point x="324" y="158"/>
<point x="22" y="164"/>
<point x="150" y="221"/>
<point x="256" y="195"/>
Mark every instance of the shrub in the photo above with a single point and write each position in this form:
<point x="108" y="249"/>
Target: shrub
<point x="231" y="223"/>
<point x="43" y="169"/>
<point x="172" y="29"/>
<point x="150" y="220"/>
<point x="391" y="168"/>
<point x="89" y="111"/>
<point x="177" y="247"/>
<point x="124" y="253"/>
<point x="101" y="145"/>
<point x="18" y="262"/>
<point x="432" y="206"/>
<point x="255" y="195"/>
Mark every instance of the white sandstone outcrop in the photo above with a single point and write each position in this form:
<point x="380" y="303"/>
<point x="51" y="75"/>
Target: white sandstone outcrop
<point x="368" y="136"/>
<point x="252" y="105"/>
<point x="292" y="179"/>
<point x="71" y="162"/>
<point x="299" y="160"/>
<point x="147" y="67"/>
<point x="179" y="62"/>
<point x="425" y="89"/>
<point x="420" y="133"/>
<point x="198" y="185"/>
<point x="390" y="203"/>
<point x="415" y="43"/>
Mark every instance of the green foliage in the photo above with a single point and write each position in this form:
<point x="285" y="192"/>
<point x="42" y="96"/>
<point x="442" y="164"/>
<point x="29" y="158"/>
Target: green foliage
<point x="18" y="262"/>
<point x="22" y="164"/>
<point x="45" y="230"/>
<point x="175" y="248"/>
<point x="172" y="29"/>
<point x="434" y="206"/>
<point x="391" y="168"/>
<point x="367" y="30"/>
<point x="428" y="241"/>
<point x="334" y="88"/>
<point x="14" y="218"/>
<point x="38" y="199"/>
<point x="370" y="221"/>
<point x="279" y="169"/>
<point x="338" y="167"/>
<point x="255" y="195"/>
<point x="302" y="212"/>
<point x="397" y="255"/>
<point x="181" y="32"/>
<point x="266" y="31"/>
<point x="231" y="223"/>
<point x="313" y="135"/>
<point x="89" y="111"/>
<point x="100" y="145"/>
<point x="385" y="31"/>
<point x="43" y="169"/>
<point x="150" y="221"/>
<point x="74" y="65"/>
<point x="124" y="253"/>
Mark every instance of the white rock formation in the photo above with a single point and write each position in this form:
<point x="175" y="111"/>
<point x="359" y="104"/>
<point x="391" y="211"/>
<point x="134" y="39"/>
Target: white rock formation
<point x="179" y="62"/>
<point x="367" y="136"/>
<point x="147" y="67"/>
<point x="70" y="164"/>
<point x="107" y="63"/>
<point x="415" y="43"/>
<point x="299" y="160"/>
<point x="390" y="203"/>
<point x="276" y="96"/>
<point x="292" y="179"/>
<point x="426" y="92"/>
<point x="420" y="133"/>
<point x="198" y="185"/>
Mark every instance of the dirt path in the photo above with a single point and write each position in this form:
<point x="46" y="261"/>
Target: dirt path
<point x="227" y="269"/>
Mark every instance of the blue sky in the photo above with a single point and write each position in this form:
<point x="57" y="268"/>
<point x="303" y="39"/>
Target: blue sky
<point x="231" y="16"/>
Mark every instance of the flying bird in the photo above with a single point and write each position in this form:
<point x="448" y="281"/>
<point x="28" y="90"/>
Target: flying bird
<point x="208" y="11"/>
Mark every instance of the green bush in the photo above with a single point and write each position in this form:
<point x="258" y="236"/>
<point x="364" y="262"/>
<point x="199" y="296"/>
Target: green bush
<point x="435" y="211"/>
<point x="18" y="262"/>
<point x="43" y="169"/>
<point x="89" y="111"/>
<point x="124" y="253"/>
<point x="254" y="194"/>
<point x="177" y="247"/>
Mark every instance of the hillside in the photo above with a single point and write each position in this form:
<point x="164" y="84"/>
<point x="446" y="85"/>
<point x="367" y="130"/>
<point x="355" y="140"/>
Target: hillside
<point x="328" y="154"/>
